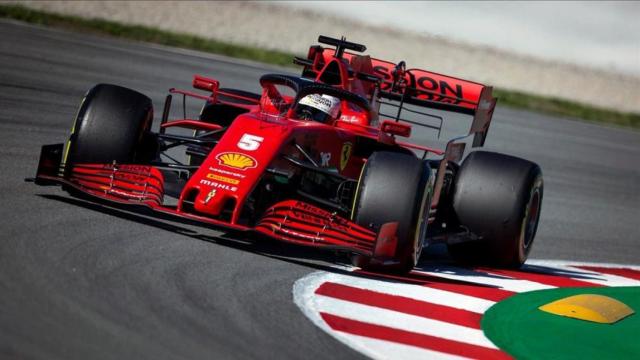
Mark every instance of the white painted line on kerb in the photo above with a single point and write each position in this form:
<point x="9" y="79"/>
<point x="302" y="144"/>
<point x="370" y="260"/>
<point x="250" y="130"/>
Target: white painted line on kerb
<point x="311" y="304"/>
<point x="304" y="297"/>
<point x="567" y="263"/>
<point x="591" y="276"/>
<point x="477" y="277"/>
<point x="401" y="321"/>
<point x="417" y="292"/>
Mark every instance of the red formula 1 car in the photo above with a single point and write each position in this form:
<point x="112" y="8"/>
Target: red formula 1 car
<point x="314" y="160"/>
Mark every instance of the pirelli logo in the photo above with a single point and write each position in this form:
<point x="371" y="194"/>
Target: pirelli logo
<point x="223" y="179"/>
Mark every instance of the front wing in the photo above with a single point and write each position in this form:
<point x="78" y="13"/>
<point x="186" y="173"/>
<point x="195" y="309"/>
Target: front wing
<point x="290" y="220"/>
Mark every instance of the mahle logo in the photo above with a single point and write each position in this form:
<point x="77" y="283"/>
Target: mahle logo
<point x="237" y="160"/>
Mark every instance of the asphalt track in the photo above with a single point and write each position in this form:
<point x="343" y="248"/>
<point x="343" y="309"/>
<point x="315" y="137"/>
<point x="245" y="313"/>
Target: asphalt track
<point x="82" y="281"/>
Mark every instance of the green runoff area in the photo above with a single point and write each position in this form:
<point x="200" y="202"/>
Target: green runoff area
<point x="514" y="99"/>
<point x="517" y="326"/>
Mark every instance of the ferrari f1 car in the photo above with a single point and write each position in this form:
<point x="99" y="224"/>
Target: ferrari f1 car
<point x="314" y="160"/>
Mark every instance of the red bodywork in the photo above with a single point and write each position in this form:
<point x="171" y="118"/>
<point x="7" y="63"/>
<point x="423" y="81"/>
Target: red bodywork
<point x="266" y="138"/>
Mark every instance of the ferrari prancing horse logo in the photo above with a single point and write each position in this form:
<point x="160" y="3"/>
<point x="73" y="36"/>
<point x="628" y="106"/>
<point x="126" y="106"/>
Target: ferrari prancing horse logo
<point x="345" y="154"/>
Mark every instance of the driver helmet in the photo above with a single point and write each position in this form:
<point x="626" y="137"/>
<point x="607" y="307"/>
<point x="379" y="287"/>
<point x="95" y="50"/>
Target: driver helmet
<point x="317" y="107"/>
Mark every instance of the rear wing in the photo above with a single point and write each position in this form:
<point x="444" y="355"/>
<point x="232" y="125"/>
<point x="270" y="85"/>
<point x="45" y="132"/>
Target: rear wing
<point x="413" y="86"/>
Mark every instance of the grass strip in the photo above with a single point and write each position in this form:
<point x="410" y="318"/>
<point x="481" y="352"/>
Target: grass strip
<point x="514" y="99"/>
<point x="143" y="33"/>
<point x="566" y="108"/>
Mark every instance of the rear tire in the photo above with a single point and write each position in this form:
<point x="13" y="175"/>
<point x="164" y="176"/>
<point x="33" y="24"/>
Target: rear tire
<point x="497" y="198"/>
<point x="112" y="124"/>
<point x="394" y="187"/>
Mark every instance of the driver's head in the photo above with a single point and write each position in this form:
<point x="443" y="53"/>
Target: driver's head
<point x="316" y="107"/>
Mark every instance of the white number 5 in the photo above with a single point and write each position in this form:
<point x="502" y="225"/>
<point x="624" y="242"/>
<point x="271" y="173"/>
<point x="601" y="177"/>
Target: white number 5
<point x="250" y="142"/>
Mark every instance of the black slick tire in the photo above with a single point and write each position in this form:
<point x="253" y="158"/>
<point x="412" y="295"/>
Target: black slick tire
<point x="394" y="187"/>
<point x="111" y="125"/>
<point x="498" y="199"/>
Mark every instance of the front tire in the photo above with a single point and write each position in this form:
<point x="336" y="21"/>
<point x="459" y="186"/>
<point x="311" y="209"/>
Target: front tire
<point x="498" y="199"/>
<point x="394" y="187"/>
<point x="112" y="125"/>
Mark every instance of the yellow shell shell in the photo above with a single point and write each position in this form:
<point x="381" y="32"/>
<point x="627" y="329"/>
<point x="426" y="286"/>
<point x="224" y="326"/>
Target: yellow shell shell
<point x="237" y="161"/>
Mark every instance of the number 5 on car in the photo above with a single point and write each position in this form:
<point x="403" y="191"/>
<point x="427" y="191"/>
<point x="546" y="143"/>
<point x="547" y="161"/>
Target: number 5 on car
<point x="250" y="142"/>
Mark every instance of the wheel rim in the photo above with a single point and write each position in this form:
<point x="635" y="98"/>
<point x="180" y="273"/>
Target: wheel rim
<point x="423" y="221"/>
<point x="531" y="219"/>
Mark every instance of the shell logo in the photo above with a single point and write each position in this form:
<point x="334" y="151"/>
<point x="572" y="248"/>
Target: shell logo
<point x="237" y="160"/>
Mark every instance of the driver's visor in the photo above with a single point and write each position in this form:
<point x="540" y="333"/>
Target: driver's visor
<point x="305" y="112"/>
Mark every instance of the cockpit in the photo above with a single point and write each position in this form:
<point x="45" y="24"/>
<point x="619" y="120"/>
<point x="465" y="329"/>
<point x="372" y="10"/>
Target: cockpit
<point x="303" y="99"/>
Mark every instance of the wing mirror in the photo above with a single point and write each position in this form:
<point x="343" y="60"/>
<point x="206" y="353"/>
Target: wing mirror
<point x="395" y="128"/>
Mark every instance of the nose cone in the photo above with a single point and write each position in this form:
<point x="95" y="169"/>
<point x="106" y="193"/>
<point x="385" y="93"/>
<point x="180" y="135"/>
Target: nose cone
<point x="213" y="196"/>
